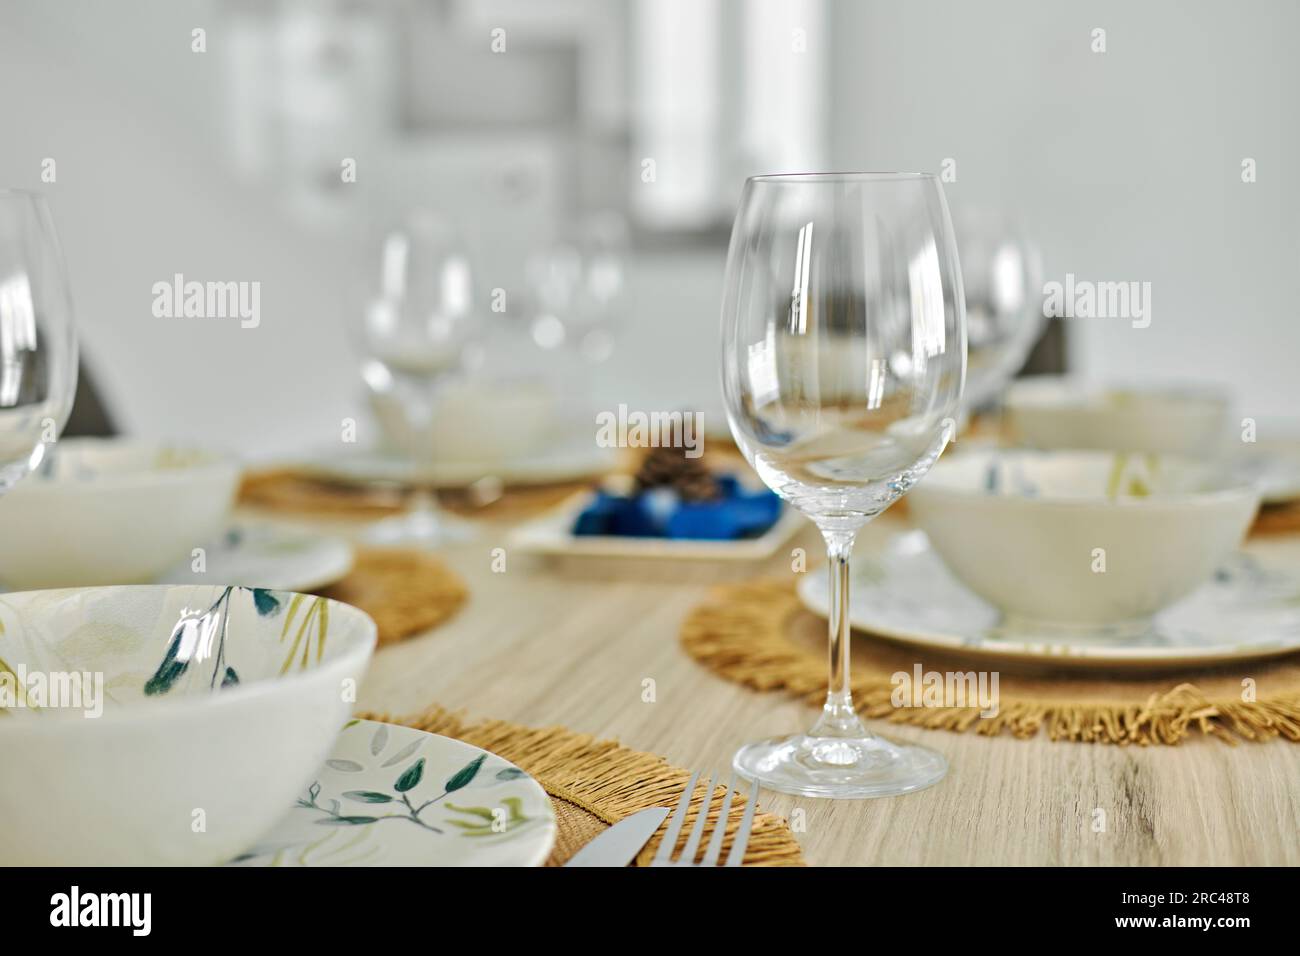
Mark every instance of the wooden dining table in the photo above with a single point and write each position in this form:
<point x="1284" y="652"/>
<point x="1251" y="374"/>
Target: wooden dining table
<point x="544" y="645"/>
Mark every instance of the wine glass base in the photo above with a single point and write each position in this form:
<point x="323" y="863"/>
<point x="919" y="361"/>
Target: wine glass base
<point x="416" y="530"/>
<point x="844" y="768"/>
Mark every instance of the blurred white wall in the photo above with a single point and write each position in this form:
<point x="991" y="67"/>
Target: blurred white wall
<point x="1126" y="164"/>
<point x="143" y="191"/>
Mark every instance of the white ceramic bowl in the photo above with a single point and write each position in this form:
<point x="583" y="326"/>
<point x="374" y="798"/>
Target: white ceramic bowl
<point x="1053" y="412"/>
<point x="186" y="764"/>
<point x="112" y="511"/>
<point x="475" y="421"/>
<point x="1068" y="538"/>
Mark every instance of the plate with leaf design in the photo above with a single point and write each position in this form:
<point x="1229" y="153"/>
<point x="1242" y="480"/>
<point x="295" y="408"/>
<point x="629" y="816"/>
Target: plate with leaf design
<point x="1249" y="610"/>
<point x="395" y="796"/>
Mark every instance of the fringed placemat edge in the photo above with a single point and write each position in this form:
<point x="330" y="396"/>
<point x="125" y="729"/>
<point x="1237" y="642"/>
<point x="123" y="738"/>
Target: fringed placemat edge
<point x="740" y="634"/>
<point x="606" y="779"/>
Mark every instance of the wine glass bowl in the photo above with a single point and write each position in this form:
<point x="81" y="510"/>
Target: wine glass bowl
<point x="38" y="348"/>
<point x="1002" y="276"/>
<point x="843" y="358"/>
<point x="578" y="285"/>
<point x="419" y="328"/>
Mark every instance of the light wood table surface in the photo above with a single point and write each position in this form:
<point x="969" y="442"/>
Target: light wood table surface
<point x="541" y="647"/>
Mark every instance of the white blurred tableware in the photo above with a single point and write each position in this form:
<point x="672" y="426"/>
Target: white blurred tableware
<point x="843" y="357"/>
<point x="474" y="422"/>
<point x="567" y="454"/>
<point x="390" y="795"/>
<point x="216" y="706"/>
<point x="112" y="511"/>
<point x="905" y="593"/>
<point x="1055" y="412"/>
<point x="267" y="556"/>
<point x="38" y="346"/>
<point x="1061" y="539"/>
<point x="420" y="327"/>
<point x="1272" y="462"/>
<point x="578" y="285"/>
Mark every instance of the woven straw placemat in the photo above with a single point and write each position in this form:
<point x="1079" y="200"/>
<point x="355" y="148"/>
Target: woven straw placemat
<point x="760" y="635"/>
<point x="405" y="591"/>
<point x="289" y="490"/>
<point x="1277" y="519"/>
<point x="595" y="783"/>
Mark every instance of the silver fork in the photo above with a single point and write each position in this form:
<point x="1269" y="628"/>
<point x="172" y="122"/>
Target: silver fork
<point x="663" y="857"/>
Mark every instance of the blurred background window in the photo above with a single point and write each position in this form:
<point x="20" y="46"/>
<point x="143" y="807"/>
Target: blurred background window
<point x="622" y="130"/>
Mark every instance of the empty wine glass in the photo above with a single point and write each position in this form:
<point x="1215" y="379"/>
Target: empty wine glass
<point x="578" y="285"/>
<point x="1002" y="274"/>
<point x="38" y="348"/>
<point x="418" y="330"/>
<point x="843" y="359"/>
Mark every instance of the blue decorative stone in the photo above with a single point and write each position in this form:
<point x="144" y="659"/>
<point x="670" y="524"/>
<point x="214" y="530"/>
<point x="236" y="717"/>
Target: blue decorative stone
<point x="660" y="513"/>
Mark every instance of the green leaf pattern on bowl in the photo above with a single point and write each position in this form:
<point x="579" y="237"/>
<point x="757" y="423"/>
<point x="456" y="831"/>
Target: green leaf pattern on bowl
<point x="195" y="633"/>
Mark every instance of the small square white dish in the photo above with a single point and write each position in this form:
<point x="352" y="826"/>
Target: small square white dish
<point x="551" y="535"/>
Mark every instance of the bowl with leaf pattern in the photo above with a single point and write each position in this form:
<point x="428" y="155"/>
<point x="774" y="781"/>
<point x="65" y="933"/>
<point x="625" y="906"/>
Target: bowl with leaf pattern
<point x="1066" y="538"/>
<point x="165" y="725"/>
<point x="1062" y="413"/>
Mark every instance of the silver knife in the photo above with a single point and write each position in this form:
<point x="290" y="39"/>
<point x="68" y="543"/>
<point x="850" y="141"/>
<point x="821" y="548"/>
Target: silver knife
<point x="619" y="845"/>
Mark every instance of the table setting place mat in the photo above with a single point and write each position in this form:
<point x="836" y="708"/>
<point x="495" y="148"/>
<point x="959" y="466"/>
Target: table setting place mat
<point x="760" y="635"/>
<point x="595" y="783"/>
<point x="1281" y="518"/>
<point x="405" y="591"/>
<point x="294" y="491"/>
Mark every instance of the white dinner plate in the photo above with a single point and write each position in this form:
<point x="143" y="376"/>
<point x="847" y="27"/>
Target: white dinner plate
<point x="395" y="796"/>
<point x="1274" y="464"/>
<point x="267" y="556"/>
<point x="575" y="457"/>
<point x="905" y="593"/>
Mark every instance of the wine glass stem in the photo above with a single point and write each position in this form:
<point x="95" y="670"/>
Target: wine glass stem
<point x="838" y="717"/>
<point x="423" y="510"/>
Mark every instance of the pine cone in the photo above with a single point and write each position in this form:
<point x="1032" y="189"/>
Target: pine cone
<point x="670" y="468"/>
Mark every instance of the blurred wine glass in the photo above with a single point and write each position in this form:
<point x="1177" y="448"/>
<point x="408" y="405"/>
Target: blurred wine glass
<point x="420" y="327"/>
<point x="38" y="347"/>
<point x="578" y="286"/>
<point x="1002" y="273"/>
